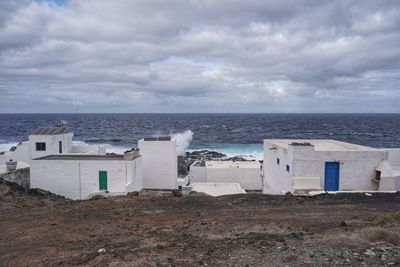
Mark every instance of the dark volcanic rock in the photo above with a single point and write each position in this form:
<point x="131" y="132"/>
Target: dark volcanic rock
<point x="184" y="162"/>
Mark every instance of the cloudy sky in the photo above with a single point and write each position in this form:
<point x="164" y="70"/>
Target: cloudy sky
<point x="199" y="56"/>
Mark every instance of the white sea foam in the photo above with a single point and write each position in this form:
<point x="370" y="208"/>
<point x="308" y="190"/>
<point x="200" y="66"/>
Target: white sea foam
<point x="182" y="141"/>
<point x="247" y="151"/>
<point x="109" y="148"/>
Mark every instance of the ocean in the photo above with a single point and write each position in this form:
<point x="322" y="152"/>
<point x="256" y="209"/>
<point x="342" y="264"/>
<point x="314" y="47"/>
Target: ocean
<point x="232" y="134"/>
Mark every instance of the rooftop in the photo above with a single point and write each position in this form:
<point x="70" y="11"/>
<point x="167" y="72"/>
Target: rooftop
<point x="320" y="144"/>
<point x="159" y="138"/>
<point x="233" y="164"/>
<point x="84" y="157"/>
<point x="62" y="129"/>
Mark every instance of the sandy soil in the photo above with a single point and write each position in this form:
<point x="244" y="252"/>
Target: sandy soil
<point x="240" y="230"/>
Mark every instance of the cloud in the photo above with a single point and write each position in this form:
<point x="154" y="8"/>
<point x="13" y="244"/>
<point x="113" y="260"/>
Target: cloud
<point x="199" y="56"/>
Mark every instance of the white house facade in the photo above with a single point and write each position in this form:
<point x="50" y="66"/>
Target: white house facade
<point x="388" y="172"/>
<point x="47" y="141"/>
<point x="313" y="165"/>
<point x="80" y="176"/>
<point x="246" y="173"/>
<point x="159" y="162"/>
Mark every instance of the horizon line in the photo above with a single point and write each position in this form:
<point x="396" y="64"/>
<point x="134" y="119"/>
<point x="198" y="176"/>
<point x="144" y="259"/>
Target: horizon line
<point x="283" y="113"/>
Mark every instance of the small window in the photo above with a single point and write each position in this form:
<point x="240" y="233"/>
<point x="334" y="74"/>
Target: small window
<point x="377" y="175"/>
<point x="287" y="168"/>
<point x="40" y="146"/>
<point x="278" y="161"/>
<point x="60" y="147"/>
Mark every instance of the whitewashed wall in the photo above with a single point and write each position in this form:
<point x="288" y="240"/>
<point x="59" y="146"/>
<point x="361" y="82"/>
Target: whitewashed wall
<point x="135" y="180"/>
<point x="198" y="173"/>
<point x="394" y="156"/>
<point x="357" y="168"/>
<point x="52" y="146"/>
<point x="159" y="160"/>
<point x="276" y="179"/>
<point x="26" y="151"/>
<point x="389" y="183"/>
<point x="77" y="179"/>
<point x="248" y="178"/>
<point x="20" y="154"/>
<point x="88" y="150"/>
<point x="60" y="177"/>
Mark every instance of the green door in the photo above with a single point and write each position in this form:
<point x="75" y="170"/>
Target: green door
<point x="102" y="180"/>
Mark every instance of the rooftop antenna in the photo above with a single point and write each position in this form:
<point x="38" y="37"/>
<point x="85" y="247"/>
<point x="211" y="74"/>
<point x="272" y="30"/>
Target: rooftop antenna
<point x="62" y="123"/>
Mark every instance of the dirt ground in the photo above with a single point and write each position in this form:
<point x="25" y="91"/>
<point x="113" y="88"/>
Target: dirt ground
<point x="239" y="230"/>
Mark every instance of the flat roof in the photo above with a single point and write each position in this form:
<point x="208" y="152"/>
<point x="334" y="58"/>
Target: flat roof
<point x="52" y="131"/>
<point x="233" y="164"/>
<point x="83" y="157"/>
<point x="159" y="138"/>
<point x="320" y="144"/>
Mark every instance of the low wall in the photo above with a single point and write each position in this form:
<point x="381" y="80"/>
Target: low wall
<point x="20" y="176"/>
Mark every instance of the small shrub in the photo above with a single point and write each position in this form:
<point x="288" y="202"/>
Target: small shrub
<point x="363" y="238"/>
<point x="390" y="218"/>
<point x="377" y="234"/>
<point x="352" y="241"/>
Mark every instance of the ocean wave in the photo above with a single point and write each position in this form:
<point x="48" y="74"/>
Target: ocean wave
<point x="247" y="151"/>
<point x="109" y="147"/>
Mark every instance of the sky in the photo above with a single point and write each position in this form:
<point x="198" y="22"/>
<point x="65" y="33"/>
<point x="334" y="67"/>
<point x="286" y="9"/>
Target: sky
<point x="272" y="56"/>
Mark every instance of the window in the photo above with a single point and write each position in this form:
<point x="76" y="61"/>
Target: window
<point x="287" y="168"/>
<point x="41" y="146"/>
<point x="377" y="175"/>
<point x="278" y="161"/>
<point x="60" y="147"/>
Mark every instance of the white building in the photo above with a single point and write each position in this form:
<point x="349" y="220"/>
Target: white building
<point x="246" y="173"/>
<point x="80" y="176"/>
<point x="47" y="141"/>
<point x="159" y="159"/>
<point x="307" y="165"/>
<point x="217" y="189"/>
<point x="388" y="172"/>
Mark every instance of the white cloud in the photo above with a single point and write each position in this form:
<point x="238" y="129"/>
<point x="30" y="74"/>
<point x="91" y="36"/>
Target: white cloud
<point x="183" y="56"/>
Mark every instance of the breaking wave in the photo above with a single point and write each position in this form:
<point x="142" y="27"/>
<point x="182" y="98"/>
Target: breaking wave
<point x="247" y="151"/>
<point x="182" y="141"/>
<point x="109" y="147"/>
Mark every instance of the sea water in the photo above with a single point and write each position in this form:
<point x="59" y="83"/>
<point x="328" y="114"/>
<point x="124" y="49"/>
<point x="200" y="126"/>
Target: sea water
<point x="231" y="134"/>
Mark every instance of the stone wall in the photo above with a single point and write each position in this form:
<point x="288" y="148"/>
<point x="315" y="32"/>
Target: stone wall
<point x="20" y="176"/>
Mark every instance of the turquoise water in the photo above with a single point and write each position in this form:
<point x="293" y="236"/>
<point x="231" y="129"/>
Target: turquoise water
<point x="246" y="150"/>
<point x="231" y="134"/>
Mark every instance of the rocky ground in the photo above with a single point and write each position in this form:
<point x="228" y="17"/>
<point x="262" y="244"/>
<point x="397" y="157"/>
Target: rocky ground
<point x="40" y="229"/>
<point x="184" y="162"/>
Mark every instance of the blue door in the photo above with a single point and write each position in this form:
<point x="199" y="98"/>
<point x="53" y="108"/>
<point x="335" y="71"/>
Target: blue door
<point x="331" y="176"/>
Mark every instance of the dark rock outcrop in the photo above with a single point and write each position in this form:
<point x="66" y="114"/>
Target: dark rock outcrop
<point x="184" y="162"/>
